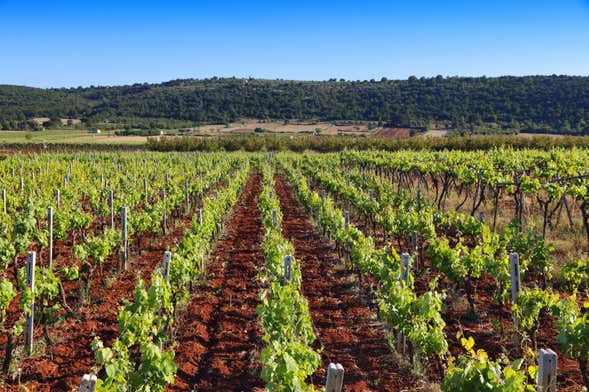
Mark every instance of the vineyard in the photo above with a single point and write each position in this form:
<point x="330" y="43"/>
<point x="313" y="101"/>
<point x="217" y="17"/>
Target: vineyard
<point x="356" y="271"/>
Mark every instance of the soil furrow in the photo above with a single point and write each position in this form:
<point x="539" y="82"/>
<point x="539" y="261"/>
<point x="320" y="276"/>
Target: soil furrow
<point x="346" y="327"/>
<point x="219" y="336"/>
<point x="72" y="353"/>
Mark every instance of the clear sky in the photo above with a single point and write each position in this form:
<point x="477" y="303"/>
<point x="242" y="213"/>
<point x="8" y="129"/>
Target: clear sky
<point x="55" y="43"/>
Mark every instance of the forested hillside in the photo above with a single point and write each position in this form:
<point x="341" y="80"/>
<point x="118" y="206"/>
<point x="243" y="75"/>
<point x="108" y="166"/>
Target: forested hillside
<point x="531" y="103"/>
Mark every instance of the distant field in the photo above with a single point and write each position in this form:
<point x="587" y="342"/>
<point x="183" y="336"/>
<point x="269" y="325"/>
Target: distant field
<point x="249" y="126"/>
<point x="67" y="136"/>
<point x="237" y="128"/>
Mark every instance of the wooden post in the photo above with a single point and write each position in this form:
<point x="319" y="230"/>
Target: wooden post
<point x="322" y="194"/>
<point x="405" y="266"/>
<point x="199" y="216"/>
<point x="88" y="383"/>
<point x="547" y="361"/>
<point x="166" y="264"/>
<point x="57" y="198"/>
<point x="4" y="199"/>
<point x="21" y="184"/>
<point x="270" y="194"/>
<point x="335" y="378"/>
<point x="50" y="229"/>
<point x="111" y="204"/>
<point x="347" y="218"/>
<point x="30" y="318"/>
<point x="274" y="219"/>
<point x="515" y="276"/>
<point x="287" y="269"/>
<point x="124" y="235"/>
<point x="66" y="180"/>
<point x="481" y="216"/>
<point x="419" y="198"/>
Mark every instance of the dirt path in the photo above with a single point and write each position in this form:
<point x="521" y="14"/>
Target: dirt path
<point x="219" y="337"/>
<point x="349" y="331"/>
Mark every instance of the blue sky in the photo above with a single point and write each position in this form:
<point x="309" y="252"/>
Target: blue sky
<point x="54" y="43"/>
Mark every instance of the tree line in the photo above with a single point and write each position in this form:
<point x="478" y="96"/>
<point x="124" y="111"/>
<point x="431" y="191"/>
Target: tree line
<point x="508" y="104"/>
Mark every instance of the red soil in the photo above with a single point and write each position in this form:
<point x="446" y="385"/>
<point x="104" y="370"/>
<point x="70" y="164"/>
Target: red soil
<point x="494" y="331"/>
<point x="219" y="336"/>
<point x="347" y="329"/>
<point x="72" y="354"/>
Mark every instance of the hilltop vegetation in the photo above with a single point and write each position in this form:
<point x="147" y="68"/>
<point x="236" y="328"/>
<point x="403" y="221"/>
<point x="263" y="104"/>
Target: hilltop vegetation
<point x="557" y="104"/>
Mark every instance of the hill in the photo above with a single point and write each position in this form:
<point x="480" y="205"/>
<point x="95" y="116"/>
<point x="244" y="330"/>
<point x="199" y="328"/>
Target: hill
<point x="558" y="104"/>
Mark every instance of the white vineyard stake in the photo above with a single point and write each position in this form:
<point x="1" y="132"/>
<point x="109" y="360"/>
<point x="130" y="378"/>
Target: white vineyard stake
<point x="21" y="184"/>
<point x="30" y="318"/>
<point x="335" y="378"/>
<point x="166" y="264"/>
<point x="88" y="383"/>
<point x="111" y="204"/>
<point x="164" y="218"/>
<point x="124" y="235"/>
<point x="199" y="216"/>
<point x="57" y="198"/>
<point x="50" y="228"/>
<point x="405" y="266"/>
<point x="274" y="219"/>
<point x="515" y="280"/>
<point x="515" y="276"/>
<point x="547" y="360"/>
<point x="270" y="194"/>
<point x="287" y="269"/>
<point x="186" y="200"/>
<point x="347" y="218"/>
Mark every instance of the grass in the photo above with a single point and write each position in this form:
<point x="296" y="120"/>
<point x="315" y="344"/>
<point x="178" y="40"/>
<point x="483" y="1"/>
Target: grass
<point x="66" y="136"/>
<point x="569" y="242"/>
